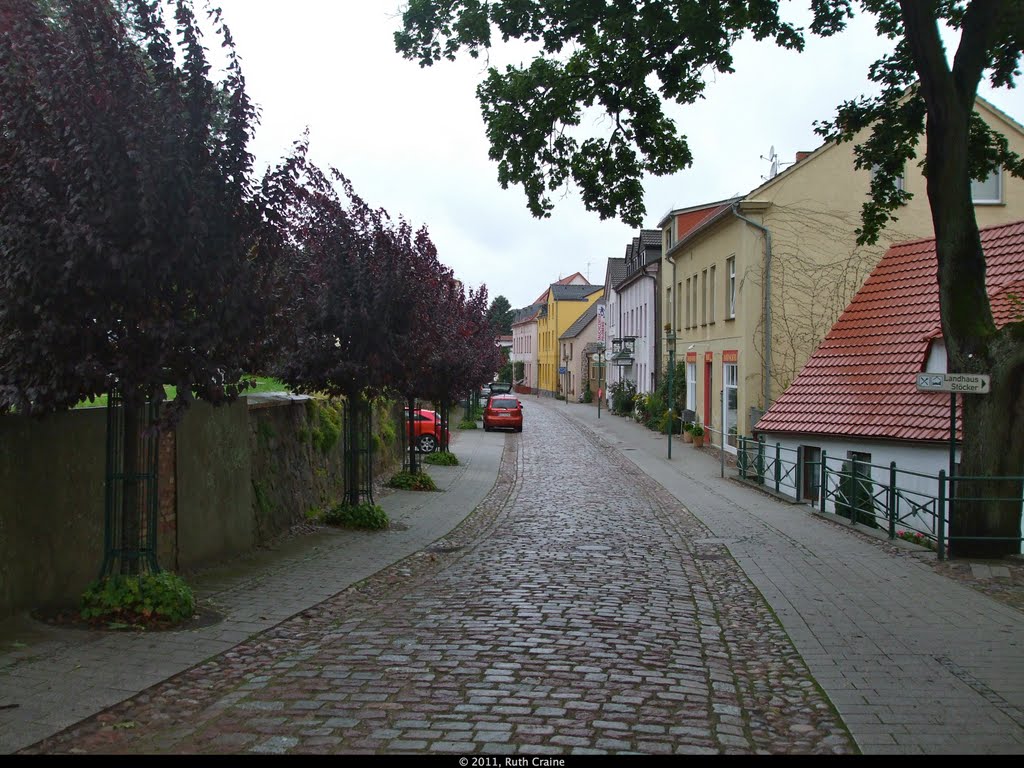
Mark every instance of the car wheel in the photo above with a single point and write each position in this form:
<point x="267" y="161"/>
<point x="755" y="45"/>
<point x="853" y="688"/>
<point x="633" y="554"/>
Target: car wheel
<point x="427" y="443"/>
<point x="519" y="429"/>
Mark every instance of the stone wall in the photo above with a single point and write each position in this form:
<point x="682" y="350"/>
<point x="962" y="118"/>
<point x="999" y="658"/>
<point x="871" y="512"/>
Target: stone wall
<point x="232" y="478"/>
<point x="52" y="474"/>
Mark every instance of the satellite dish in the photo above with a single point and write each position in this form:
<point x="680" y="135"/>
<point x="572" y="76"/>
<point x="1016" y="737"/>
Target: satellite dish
<point x="774" y="160"/>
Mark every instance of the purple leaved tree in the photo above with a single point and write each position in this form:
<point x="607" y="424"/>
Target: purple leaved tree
<point x="135" y="249"/>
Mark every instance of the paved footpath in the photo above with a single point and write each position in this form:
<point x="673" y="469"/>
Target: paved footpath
<point x="593" y="603"/>
<point x="914" y="662"/>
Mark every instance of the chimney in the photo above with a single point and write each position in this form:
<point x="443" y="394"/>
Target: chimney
<point x="801" y="155"/>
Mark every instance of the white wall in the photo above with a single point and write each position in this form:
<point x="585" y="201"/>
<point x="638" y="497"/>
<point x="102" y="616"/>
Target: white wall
<point x="638" y="319"/>
<point x="917" y="464"/>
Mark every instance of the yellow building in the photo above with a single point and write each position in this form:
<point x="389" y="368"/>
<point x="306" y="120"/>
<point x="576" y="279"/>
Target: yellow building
<point x="752" y="285"/>
<point x="565" y="304"/>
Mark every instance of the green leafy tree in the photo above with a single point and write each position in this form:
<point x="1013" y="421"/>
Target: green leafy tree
<point x="629" y="58"/>
<point x="500" y="315"/>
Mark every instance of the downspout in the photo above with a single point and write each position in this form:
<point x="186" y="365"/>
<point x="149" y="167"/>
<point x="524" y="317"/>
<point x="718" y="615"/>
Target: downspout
<point x="767" y="372"/>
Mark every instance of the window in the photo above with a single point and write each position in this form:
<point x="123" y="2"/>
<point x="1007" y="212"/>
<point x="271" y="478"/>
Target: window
<point x="989" y="190"/>
<point x="711" y="296"/>
<point x="687" y="303"/>
<point x="899" y="179"/>
<point x="704" y="297"/>
<point x="730" y="287"/>
<point x="670" y="236"/>
<point x="693" y="287"/>
<point x="691" y="387"/>
<point x="730" y="404"/>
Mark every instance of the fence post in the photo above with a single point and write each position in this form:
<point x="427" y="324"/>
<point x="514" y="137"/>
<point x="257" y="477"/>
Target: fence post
<point x="941" y="543"/>
<point x="741" y="458"/>
<point x="799" y="474"/>
<point x="855" y="501"/>
<point x="822" y="487"/>
<point x="892" y="500"/>
<point x="778" y="466"/>
<point x="721" y="457"/>
<point x="760" y="459"/>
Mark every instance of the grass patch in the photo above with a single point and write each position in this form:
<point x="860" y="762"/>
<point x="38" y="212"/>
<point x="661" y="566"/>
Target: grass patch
<point x="441" y="459"/>
<point x="413" y="481"/>
<point x="263" y="384"/>
<point x="365" y="516"/>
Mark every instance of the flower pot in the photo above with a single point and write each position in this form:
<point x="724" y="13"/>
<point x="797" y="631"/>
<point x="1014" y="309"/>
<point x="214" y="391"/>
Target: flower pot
<point x="698" y="440"/>
<point x="687" y="436"/>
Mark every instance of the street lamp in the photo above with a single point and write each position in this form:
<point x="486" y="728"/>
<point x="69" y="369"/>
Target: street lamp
<point x="670" y="340"/>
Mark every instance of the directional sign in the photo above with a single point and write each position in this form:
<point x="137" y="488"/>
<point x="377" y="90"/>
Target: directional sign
<point x="969" y="383"/>
<point x="562" y="369"/>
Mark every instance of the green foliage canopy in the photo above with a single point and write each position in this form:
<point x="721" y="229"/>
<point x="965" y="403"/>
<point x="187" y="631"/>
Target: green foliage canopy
<point x="629" y="59"/>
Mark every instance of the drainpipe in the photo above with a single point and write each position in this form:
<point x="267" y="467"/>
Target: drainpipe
<point x="767" y="301"/>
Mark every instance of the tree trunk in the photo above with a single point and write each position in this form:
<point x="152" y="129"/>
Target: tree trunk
<point x="352" y="453"/>
<point x="410" y="427"/>
<point x="993" y="447"/>
<point x="131" y="501"/>
<point x="992" y="424"/>
<point x="445" y="411"/>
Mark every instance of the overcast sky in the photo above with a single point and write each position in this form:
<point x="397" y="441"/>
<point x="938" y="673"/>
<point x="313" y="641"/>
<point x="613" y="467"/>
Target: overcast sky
<point x="412" y="140"/>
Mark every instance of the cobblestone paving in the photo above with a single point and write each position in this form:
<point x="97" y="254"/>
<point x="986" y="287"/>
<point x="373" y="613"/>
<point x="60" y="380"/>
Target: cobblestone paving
<point x="550" y="622"/>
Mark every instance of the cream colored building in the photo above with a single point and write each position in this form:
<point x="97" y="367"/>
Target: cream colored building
<point x="753" y="286"/>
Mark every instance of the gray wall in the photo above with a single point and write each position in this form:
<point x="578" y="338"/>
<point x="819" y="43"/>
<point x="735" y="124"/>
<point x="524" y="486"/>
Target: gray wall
<point x="233" y="478"/>
<point x="51" y="506"/>
<point x="214" y="485"/>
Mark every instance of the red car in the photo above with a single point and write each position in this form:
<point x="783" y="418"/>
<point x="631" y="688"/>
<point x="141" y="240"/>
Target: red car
<point x="426" y="430"/>
<point x="503" y="412"/>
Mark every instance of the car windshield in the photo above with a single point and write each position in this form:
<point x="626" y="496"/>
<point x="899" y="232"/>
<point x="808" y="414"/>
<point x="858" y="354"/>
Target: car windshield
<point x="503" y="402"/>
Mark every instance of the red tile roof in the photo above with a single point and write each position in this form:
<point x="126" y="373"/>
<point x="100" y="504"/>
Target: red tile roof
<point x="861" y="382"/>
<point x="692" y="220"/>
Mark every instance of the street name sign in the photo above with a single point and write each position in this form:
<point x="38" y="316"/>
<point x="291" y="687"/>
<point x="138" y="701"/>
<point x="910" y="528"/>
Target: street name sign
<point x="968" y="383"/>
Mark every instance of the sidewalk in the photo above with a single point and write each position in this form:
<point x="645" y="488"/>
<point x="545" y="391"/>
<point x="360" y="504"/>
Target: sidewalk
<point x="914" y="661"/>
<point x="53" y="677"/>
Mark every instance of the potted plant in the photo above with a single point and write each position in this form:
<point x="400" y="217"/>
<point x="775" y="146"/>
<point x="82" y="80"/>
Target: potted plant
<point x="688" y="432"/>
<point x="697" y="435"/>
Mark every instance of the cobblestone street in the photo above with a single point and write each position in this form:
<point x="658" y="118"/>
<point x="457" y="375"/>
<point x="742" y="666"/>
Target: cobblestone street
<point x="581" y="609"/>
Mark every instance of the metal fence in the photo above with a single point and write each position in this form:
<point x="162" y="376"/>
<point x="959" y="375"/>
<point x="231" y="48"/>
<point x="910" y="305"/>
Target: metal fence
<point x="904" y="504"/>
